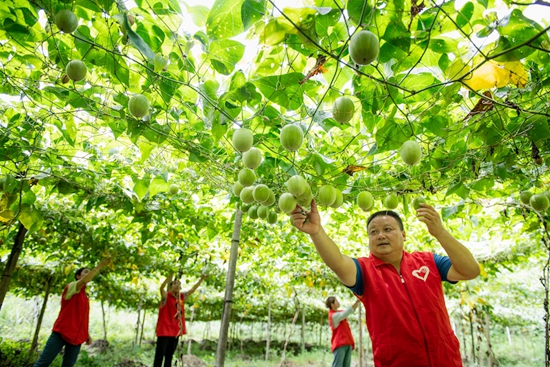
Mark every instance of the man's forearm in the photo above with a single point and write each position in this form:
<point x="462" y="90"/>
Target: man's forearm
<point x="462" y="259"/>
<point x="341" y="265"/>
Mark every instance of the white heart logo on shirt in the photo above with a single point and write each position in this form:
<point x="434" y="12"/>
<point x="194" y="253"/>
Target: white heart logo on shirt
<point x="421" y="273"/>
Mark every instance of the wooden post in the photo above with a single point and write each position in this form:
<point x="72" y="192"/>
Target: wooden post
<point x="283" y="357"/>
<point x="12" y="262"/>
<point x="229" y="285"/>
<point x="472" y="336"/>
<point x="138" y="320"/>
<point x="321" y="330"/>
<point x="34" y="343"/>
<point x="104" y="323"/>
<point x="488" y="334"/>
<point x="303" y="329"/>
<point x="189" y="331"/>
<point x="142" y="327"/>
<point x="268" y="330"/>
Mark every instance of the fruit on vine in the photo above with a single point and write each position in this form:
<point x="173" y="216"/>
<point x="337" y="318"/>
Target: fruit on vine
<point x="261" y="193"/>
<point x="417" y="201"/>
<point x="365" y="201"/>
<point x="66" y="21"/>
<point x="410" y="152"/>
<point x="272" y="217"/>
<point x="174" y="189"/>
<point x="247" y="177"/>
<point x="304" y="201"/>
<point x="391" y="201"/>
<point x="307" y="193"/>
<point x="245" y="207"/>
<point x="292" y="137"/>
<point x="246" y="195"/>
<point x="539" y="202"/>
<point x="343" y="110"/>
<point x="252" y="158"/>
<point x="297" y="185"/>
<point x="339" y="199"/>
<point x="253" y="212"/>
<point x="139" y="105"/>
<point x="76" y="70"/>
<point x="242" y="139"/>
<point x="65" y="79"/>
<point x="364" y="47"/>
<point x="270" y="200"/>
<point x="237" y="188"/>
<point x="327" y="195"/>
<point x="263" y="211"/>
<point x="525" y="196"/>
<point x="42" y="241"/>
<point x="287" y="202"/>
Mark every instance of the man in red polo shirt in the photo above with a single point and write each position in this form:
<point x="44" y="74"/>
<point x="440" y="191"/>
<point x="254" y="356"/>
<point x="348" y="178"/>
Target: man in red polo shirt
<point x="341" y="343"/>
<point x="70" y="330"/>
<point x="402" y="294"/>
<point x="171" y="321"/>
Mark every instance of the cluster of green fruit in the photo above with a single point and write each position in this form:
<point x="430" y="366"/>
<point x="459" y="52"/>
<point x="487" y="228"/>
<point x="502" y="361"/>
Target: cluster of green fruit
<point x="76" y="70"/>
<point x="539" y="202"/>
<point x="244" y="187"/>
<point x="299" y="191"/>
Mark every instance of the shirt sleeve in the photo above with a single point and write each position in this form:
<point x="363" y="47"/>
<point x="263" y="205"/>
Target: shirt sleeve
<point x="71" y="291"/>
<point x="358" y="287"/>
<point x="443" y="264"/>
<point x="339" y="316"/>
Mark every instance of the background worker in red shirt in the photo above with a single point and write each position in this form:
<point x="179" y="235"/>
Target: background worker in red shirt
<point x="171" y="320"/>
<point x="342" y="342"/>
<point x="402" y="293"/>
<point x="70" y="329"/>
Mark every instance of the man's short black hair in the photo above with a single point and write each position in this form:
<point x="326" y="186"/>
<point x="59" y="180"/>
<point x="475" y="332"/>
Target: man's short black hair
<point x="387" y="212"/>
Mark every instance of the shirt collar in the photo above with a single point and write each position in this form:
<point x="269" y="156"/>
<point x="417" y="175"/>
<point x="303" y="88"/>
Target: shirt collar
<point x="377" y="262"/>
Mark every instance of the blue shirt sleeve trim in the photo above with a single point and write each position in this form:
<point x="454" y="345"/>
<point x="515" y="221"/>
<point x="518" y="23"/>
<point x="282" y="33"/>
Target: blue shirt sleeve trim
<point x="443" y="264"/>
<point x="358" y="288"/>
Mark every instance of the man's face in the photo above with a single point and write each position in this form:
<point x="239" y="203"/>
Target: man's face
<point x="385" y="237"/>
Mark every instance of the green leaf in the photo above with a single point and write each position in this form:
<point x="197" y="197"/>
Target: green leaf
<point x="449" y="211"/>
<point x="443" y="45"/>
<point x="458" y="189"/>
<point x="225" y="54"/>
<point x="540" y="129"/>
<point x="465" y="14"/>
<point x="515" y="29"/>
<point x="252" y="11"/>
<point x="141" y="187"/>
<point x="392" y="135"/>
<point x="137" y="41"/>
<point x="145" y="148"/>
<point x="225" y="20"/>
<point x="285" y="90"/>
<point x="158" y="184"/>
<point x="360" y="12"/>
<point x="67" y="128"/>
<point x="31" y="218"/>
<point x="198" y="14"/>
